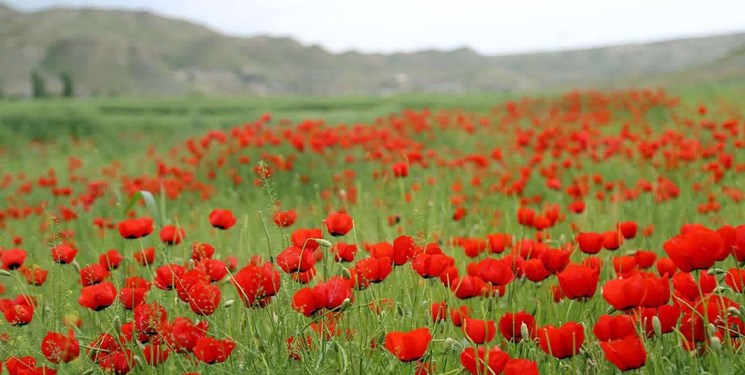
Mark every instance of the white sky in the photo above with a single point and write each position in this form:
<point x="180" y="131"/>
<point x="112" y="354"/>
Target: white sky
<point x="491" y="27"/>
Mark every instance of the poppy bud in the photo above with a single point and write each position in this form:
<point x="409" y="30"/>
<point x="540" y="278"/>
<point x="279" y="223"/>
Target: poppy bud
<point x="524" y="331"/>
<point x="657" y="325"/>
<point x="734" y="311"/>
<point x="322" y="242"/>
<point x="450" y="344"/>
<point x="346" y="304"/>
<point x="716" y="271"/>
<point x="345" y="273"/>
<point x="716" y="344"/>
<point x="138" y="360"/>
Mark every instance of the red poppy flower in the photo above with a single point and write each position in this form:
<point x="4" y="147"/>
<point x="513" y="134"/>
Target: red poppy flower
<point x="148" y="318"/>
<point x="338" y="224"/>
<point x="593" y="262"/>
<point x="562" y="342"/>
<point x="511" y="326"/>
<point x="343" y="252"/>
<point x="525" y="216"/>
<point x="467" y="287"/>
<point x="155" y="354"/>
<point x="296" y="259"/>
<point x="541" y="222"/>
<point x="459" y="213"/>
<point x="555" y="260"/>
<point x="380" y="249"/>
<point x="172" y="235"/>
<point x="35" y="275"/>
<point x="627" y="353"/>
<point x="431" y="265"/>
<point x="307" y="301"/>
<point x="200" y="250"/>
<point x="734" y="278"/>
<point x="457" y="315"/>
<point x="400" y="170"/>
<point x="18" y="312"/>
<point x="204" y="298"/>
<point x="110" y="259"/>
<point x="439" y="312"/>
<point x="666" y="266"/>
<point x="498" y="242"/>
<point x="645" y="259"/>
<point x="222" y="219"/>
<point x="136" y="228"/>
<point x="93" y="274"/>
<point x="102" y="346"/>
<point x="297" y="345"/>
<point x="480" y="361"/>
<point x="12" y="258"/>
<point x="118" y="362"/>
<point x="189" y="279"/>
<point x="373" y="270"/>
<point x="303" y="238"/>
<point x="214" y="268"/>
<point x="479" y="331"/>
<point x="166" y="276"/>
<point x="614" y="327"/>
<point x="534" y="270"/>
<point x="628" y="229"/>
<point x="209" y="350"/>
<point x="145" y="257"/>
<point x="518" y="366"/>
<point x="284" y="219"/>
<point x="624" y="265"/>
<point x="22" y="365"/>
<point x="98" y="297"/>
<point x="63" y="254"/>
<point x="657" y="291"/>
<point x="578" y="281"/>
<point x="695" y="250"/>
<point x="612" y="240"/>
<point x="577" y="207"/>
<point x="57" y="347"/>
<point x="494" y="271"/>
<point x="408" y="346"/>
<point x="131" y="297"/>
<point x="404" y="250"/>
<point x="256" y="283"/>
<point x="666" y="315"/>
<point x="624" y="294"/>
<point x="182" y="334"/>
<point x="304" y="277"/>
<point x="686" y="288"/>
<point x="335" y="290"/>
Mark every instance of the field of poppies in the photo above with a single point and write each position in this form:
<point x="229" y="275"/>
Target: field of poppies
<point x="583" y="233"/>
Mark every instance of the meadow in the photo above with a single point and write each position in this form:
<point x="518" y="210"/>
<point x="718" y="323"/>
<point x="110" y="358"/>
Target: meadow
<point x="557" y="233"/>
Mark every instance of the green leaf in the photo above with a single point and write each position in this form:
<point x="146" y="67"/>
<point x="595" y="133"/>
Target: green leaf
<point x="150" y="203"/>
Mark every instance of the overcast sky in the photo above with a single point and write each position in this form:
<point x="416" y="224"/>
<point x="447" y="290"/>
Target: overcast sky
<point x="488" y="26"/>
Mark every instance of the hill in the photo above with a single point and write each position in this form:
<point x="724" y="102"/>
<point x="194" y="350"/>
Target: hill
<point x="113" y="52"/>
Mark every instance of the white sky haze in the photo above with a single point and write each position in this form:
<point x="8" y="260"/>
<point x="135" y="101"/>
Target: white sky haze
<point x="490" y="27"/>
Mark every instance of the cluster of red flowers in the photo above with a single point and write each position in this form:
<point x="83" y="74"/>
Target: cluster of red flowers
<point x="411" y="223"/>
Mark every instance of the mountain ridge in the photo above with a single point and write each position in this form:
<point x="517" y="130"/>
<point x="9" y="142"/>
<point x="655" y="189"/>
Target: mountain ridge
<point x="115" y="52"/>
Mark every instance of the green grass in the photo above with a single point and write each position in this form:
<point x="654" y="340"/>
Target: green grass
<point x="123" y="130"/>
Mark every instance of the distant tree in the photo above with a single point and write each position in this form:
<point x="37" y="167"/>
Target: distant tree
<point x="2" y="94"/>
<point x="38" y="87"/>
<point x="68" y="90"/>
